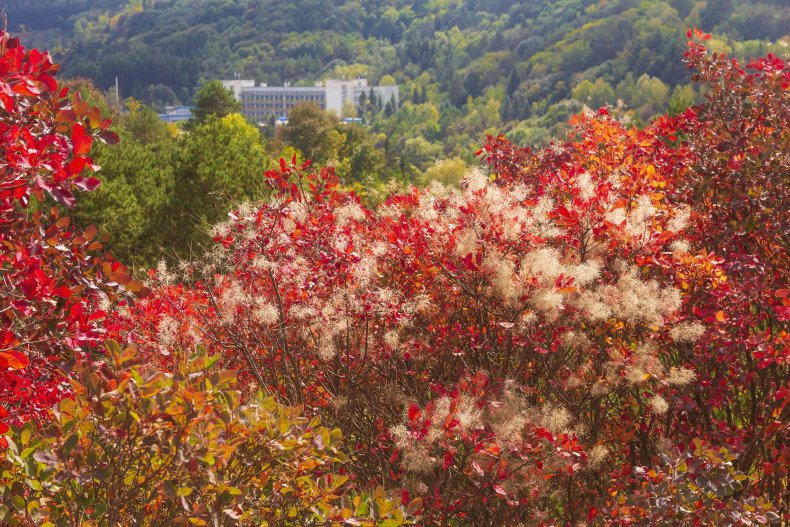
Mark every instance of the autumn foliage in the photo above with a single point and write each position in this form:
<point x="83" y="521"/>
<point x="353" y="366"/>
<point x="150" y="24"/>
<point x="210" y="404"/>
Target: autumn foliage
<point x="135" y="446"/>
<point x="54" y="275"/>
<point x="592" y="333"/>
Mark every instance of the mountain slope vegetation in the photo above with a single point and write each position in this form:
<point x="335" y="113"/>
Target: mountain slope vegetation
<point x="465" y="66"/>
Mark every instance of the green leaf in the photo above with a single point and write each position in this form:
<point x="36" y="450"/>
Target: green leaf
<point x="18" y="502"/>
<point x="34" y="484"/>
<point x="211" y="361"/>
<point x="69" y="444"/>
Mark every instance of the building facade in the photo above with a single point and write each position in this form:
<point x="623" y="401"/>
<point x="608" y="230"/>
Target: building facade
<point x="265" y="102"/>
<point x="262" y="103"/>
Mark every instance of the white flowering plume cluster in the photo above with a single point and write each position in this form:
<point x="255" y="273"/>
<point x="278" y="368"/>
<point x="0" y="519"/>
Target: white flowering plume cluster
<point x="574" y="286"/>
<point x="535" y="282"/>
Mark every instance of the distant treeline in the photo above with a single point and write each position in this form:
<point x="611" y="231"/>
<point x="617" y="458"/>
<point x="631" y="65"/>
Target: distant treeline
<point x="468" y="65"/>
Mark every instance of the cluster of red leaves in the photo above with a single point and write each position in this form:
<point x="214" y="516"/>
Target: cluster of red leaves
<point x="739" y="146"/>
<point x="592" y="332"/>
<point x="53" y="274"/>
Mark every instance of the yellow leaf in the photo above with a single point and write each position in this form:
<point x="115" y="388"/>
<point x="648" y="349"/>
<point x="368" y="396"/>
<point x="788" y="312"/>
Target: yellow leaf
<point x="25" y="435"/>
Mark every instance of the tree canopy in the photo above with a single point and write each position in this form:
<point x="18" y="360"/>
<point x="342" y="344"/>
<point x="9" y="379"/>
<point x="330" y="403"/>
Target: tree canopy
<point x="214" y="100"/>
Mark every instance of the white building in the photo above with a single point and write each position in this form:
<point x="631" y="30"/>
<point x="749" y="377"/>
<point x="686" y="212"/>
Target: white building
<point x="237" y="85"/>
<point x="338" y="93"/>
<point x="264" y="102"/>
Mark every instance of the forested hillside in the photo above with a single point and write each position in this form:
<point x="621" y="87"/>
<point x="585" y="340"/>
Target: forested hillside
<point x="465" y="66"/>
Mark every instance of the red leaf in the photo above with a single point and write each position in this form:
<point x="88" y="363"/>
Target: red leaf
<point x="89" y="183"/>
<point x="97" y="315"/>
<point x="80" y="140"/>
<point x="448" y="460"/>
<point x="76" y="165"/>
<point x="109" y="137"/>
<point x="63" y="292"/>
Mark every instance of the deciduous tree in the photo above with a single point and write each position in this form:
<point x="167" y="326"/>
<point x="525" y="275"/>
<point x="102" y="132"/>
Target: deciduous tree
<point x="55" y="277"/>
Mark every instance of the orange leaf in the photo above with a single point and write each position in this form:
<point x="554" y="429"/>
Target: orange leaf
<point x="13" y="360"/>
